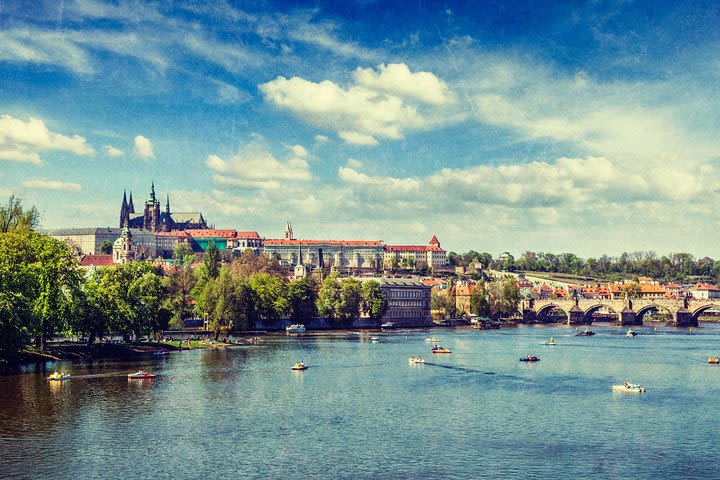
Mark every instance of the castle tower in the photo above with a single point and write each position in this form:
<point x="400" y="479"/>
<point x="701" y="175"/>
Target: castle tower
<point x="434" y="242"/>
<point x="151" y="215"/>
<point x="124" y="212"/>
<point x="288" y="231"/>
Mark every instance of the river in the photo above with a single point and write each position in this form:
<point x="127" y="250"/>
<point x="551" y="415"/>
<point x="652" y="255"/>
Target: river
<point x="360" y="411"/>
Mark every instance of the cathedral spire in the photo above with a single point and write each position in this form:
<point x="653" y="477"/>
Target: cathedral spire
<point x="131" y="207"/>
<point x="124" y="211"/>
<point x="167" y="204"/>
<point x="152" y="191"/>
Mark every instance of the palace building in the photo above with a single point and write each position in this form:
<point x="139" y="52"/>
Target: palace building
<point x="419" y="256"/>
<point x="154" y="220"/>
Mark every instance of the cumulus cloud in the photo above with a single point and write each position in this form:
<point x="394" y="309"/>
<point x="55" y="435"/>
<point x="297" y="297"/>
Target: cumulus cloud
<point x="321" y="138"/>
<point x="23" y="141"/>
<point x="255" y="167"/>
<point x="144" y="148"/>
<point x="355" y="164"/>
<point x="44" y="184"/>
<point x="113" y="152"/>
<point x="378" y="106"/>
<point x="397" y="79"/>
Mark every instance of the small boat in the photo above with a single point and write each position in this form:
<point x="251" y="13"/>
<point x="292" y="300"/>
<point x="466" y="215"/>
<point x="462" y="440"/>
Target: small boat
<point x="432" y="340"/>
<point x="416" y="360"/>
<point x="631" y="333"/>
<point x="714" y="360"/>
<point x="585" y="333"/>
<point x="388" y="325"/>
<point x="141" y="374"/>
<point x="529" y="358"/>
<point x="439" y="349"/>
<point x="160" y="352"/>
<point x="548" y="342"/>
<point x="299" y="366"/>
<point x="628" y="387"/>
<point x="295" y="328"/>
<point x="58" y="376"/>
<point x="374" y="339"/>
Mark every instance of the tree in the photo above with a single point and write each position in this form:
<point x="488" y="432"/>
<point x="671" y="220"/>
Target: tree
<point x="271" y="296"/>
<point x="183" y="253"/>
<point x="106" y="247"/>
<point x="180" y="284"/>
<point x="350" y="300"/>
<point x="374" y="301"/>
<point x="503" y="297"/>
<point x="329" y="297"/>
<point x="14" y="217"/>
<point x="211" y="260"/>
<point x="450" y="301"/>
<point x="248" y="264"/>
<point x="479" y="302"/>
<point x="302" y="300"/>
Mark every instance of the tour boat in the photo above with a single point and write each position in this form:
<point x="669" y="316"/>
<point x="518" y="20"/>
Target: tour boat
<point x="416" y="360"/>
<point x="299" y="366"/>
<point x="438" y="349"/>
<point x="630" y="333"/>
<point x="586" y="333"/>
<point x="141" y="374"/>
<point x="529" y="358"/>
<point x="58" y="376"/>
<point x="628" y="387"/>
<point x="388" y="325"/>
<point x="295" y="328"/>
<point x="714" y="360"/>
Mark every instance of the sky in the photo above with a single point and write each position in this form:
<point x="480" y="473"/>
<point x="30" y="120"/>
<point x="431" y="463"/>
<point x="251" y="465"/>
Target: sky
<point x="586" y="127"/>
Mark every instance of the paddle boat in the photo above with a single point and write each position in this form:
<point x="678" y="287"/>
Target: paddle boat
<point x="416" y="360"/>
<point x="439" y="349"/>
<point x="432" y="339"/>
<point x="58" y="376"/>
<point x="141" y="374"/>
<point x="586" y="333"/>
<point x="295" y="328"/>
<point x="630" y="333"/>
<point x="299" y="366"/>
<point x="628" y="387"/>
<point x="529" y="358"/>
<point x="714" y="360"/>
<point x="549" y="342"/>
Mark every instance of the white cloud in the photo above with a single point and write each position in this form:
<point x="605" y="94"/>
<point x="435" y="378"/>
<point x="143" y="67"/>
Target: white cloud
<point x="144" y="148"/>
<point x="44" y="184"/>
<point x="321" y="138"/>
<point x="355" y="138"/>
<point x="355" y="164"/>
<point x="397" y="79"/>
<point x="113" y="152"/>
<point x="254" y="167"/>
<point x="22" y="141"/>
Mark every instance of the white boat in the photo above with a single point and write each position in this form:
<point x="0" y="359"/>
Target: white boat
<point x="388" y="325"/>
<point x="628" y="387"/>
<point x="141" y="374"/>
<point x="58" y="376"/>
<point x="630" y="333"/>
<point x="432" y="340"/>
<point x="374" y="339"/>
<point x="295" y="328"/>
<point x="416" y="360"/>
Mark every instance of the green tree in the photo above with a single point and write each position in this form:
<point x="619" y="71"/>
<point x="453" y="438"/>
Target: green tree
<point x="479" y="302"/>
<point x="212" y="261"/>
<point x="249" y="264"/>
<point x="106" y="247"/>
<point x="180" y="284"/>
<point x="271" y="296"/>
<point x="302" y="300"/>
<point x="14" y="217"/>
<point x="350" y="300"/>
<point x="374" y="301"/>
<point x="329" y="298"/>
<point x="183" y="253"/>
<point x="503" y="297"/>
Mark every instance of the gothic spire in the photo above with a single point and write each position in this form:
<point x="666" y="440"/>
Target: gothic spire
<point x="124" y="213"/>
<point x="152" y="192"/>
<point x="167" y="204"/>
<point x="131" y="207"/>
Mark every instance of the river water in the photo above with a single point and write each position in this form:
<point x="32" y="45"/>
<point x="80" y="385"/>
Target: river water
<point x="360" y="411"/>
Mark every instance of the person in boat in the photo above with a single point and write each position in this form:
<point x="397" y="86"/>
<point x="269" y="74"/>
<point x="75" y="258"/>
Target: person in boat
<point x="626" y="384"/>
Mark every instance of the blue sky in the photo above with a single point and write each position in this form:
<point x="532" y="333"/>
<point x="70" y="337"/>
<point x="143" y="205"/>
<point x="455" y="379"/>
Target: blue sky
<point x="589" y="127"/>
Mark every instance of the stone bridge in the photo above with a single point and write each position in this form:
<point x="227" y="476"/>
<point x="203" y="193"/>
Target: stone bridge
<point x="685" y="312"/>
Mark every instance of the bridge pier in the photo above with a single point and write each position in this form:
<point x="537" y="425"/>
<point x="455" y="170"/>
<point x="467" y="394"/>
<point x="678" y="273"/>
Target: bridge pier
<point x="576" y="316"/>
<point x="529" y="315"/>
<point x="684" y="318"/>
<point x="629" y="317"/>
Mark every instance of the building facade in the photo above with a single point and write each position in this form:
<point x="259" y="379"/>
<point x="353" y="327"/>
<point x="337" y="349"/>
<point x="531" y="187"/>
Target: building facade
<point x="358" y="254"/>
<point x="87" y="241"/>
<point x="418" y="256"/>
<point x="408" y="301"/>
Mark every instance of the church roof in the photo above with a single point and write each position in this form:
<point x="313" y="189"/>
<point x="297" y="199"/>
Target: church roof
<point x="211" y="233"/>
<point x="96" y="261"/>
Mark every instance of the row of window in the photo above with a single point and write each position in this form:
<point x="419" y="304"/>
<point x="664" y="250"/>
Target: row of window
<point x="405" y="293"/>
<point x="404" y="313"/>
<point x="406" y="303"/>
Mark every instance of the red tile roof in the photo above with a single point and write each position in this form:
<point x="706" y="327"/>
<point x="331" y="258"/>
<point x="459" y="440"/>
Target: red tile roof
<point x="248" y="235"/>
<point x="344" y="243"/>
<point x="102" y="260"/>
<point x="208" y="233"/>
<point x="413" y="248"/>
<point x="434" y="241"/>
<point x="174" y="233"/>
<point x="702" y="286"/>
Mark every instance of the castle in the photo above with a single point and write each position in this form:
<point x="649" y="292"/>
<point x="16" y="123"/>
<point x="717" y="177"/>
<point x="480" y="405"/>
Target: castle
<point x="153" y="219"/>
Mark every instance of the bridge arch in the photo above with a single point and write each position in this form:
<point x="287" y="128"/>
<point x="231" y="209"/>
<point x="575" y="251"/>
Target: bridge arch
<point x="702" y="309"/>
<point x="544" y="311"/>
<point x="650" y="308"/>
<point x="589" y="312"/>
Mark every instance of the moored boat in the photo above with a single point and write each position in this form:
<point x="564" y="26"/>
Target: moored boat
<point x="58" y="376"/>
<point x="295" y="328"/>
<point x="299" y="366"/>
<point x="141" y="374"/>
<point x="628" y="387"/>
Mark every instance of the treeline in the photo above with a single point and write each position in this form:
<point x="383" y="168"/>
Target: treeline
<point x="494" y="299"/>
<point x="43" y="292"/>
<point x="677" y="267"/>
